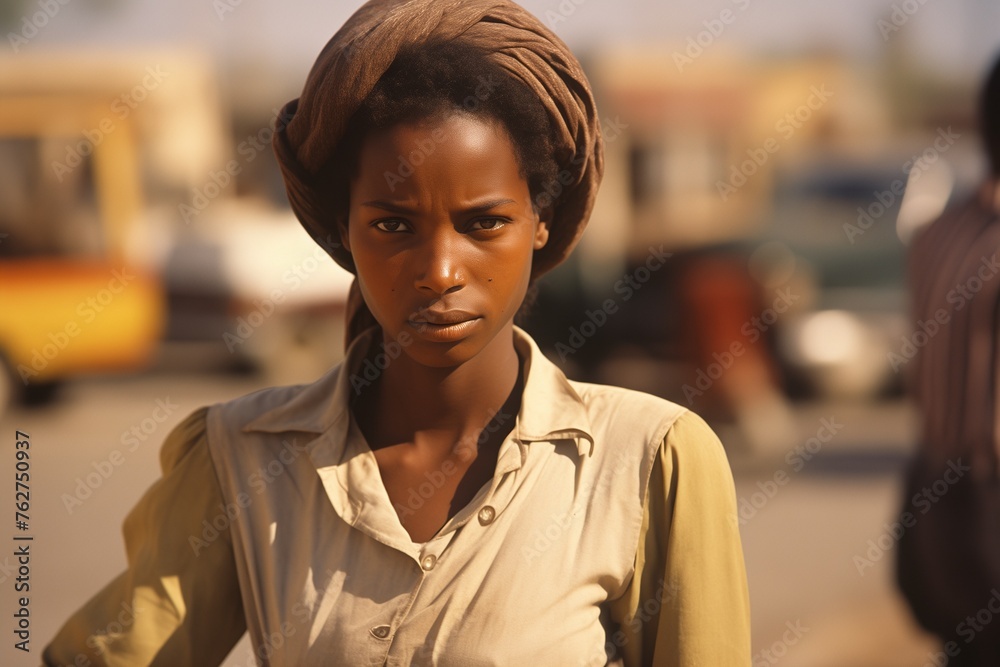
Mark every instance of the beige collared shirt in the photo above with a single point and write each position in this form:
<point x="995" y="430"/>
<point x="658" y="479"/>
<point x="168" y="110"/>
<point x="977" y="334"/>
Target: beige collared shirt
<point x="607" y="535"/>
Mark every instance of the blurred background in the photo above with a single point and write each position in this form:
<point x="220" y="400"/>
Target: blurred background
<point x="783" y="153"/>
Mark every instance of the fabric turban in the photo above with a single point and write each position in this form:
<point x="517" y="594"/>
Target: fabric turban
<point x="348" y="68"/>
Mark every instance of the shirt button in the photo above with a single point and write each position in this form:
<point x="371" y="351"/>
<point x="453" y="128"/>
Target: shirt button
<point x="486" y="515"/>
<point x="381" y="631"/>
<point x="428" y="562"/>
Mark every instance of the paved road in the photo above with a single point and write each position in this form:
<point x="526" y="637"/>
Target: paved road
<point x="811" y="607"/>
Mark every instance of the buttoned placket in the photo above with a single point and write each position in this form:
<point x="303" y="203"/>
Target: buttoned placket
<point x="491" y="500"/>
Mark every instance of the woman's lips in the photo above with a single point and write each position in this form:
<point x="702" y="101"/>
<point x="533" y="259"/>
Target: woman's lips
<point x="439" y="316"/>
<point x="448" y="332"/>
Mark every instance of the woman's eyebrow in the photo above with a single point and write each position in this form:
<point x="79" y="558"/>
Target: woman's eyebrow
<point x="403" y="209"/>
<point x="487" y="205"/>
<point x="389" y="206"/>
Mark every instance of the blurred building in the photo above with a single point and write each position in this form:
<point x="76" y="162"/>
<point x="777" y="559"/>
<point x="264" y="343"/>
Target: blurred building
<point x="704" y="137"/>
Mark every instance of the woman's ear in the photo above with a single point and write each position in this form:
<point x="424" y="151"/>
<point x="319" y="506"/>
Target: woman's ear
<point x="345" y="240"/>
<point x="541" y="235"/>
<point x="542" y="228"/>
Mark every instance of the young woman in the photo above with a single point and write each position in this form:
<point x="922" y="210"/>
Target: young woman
<point x="444" y="495"/>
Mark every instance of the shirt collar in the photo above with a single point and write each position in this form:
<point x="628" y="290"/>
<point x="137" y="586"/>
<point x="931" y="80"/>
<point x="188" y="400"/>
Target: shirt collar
<point x="550" y="407"/>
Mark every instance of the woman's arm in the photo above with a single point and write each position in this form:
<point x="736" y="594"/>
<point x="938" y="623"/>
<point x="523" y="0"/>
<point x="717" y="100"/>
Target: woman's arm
<point x="178" y="603"/>
<point x="688" y="603"/>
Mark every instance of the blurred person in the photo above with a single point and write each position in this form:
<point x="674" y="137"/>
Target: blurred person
<point x="948" y="557"/>
<point x="444" y="495"/>
<point x="733" y="356"/>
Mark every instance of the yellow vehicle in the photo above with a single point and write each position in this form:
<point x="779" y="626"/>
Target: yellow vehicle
<point x="71" y="302"/>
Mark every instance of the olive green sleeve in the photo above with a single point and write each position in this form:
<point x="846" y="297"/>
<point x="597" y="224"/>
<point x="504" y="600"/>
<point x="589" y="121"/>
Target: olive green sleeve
<point x="688" y="603"/>
<point x="178" y="602"/>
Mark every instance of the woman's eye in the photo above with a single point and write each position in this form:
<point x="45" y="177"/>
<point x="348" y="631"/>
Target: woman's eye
<point x="487" y="223"/>
<point x="390" y="225"/>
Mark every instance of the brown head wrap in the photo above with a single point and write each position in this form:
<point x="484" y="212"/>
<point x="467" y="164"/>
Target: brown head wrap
<point x="355" y="59"/>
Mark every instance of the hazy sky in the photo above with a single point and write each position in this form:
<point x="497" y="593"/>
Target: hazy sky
<point x="957" y="36"/>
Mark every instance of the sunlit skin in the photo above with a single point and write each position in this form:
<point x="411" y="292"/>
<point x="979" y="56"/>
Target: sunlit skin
<point x="457" y="234"/>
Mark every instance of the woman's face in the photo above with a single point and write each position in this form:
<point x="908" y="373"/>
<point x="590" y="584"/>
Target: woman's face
<point x="442" y="231"/>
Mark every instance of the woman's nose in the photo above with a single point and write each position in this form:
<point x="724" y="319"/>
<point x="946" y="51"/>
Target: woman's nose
<point x="440" y="268"/>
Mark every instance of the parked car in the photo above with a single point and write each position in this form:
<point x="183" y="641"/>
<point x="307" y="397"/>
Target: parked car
<point x="72" y="302"/>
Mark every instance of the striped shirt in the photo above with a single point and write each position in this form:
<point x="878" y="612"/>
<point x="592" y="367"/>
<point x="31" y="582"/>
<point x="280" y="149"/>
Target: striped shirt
<point x="954" y="271"/>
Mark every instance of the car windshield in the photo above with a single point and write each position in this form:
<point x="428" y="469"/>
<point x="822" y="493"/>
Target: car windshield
<point x="46" y="211"/>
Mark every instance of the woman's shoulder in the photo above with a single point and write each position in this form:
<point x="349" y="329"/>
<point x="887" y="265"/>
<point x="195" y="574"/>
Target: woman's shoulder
<point x="628" y="410"/>
<point x="185" y="439"/>
<point x="677" y="433"/>
<point x="298" y="407"/>
<point x="191" y="436"/>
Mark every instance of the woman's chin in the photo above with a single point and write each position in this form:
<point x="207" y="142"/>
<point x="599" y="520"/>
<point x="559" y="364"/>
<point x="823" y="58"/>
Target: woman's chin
<point x="439" y="346"/>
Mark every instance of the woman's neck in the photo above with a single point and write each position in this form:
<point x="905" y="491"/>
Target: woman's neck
<point x="410" y="400"/>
